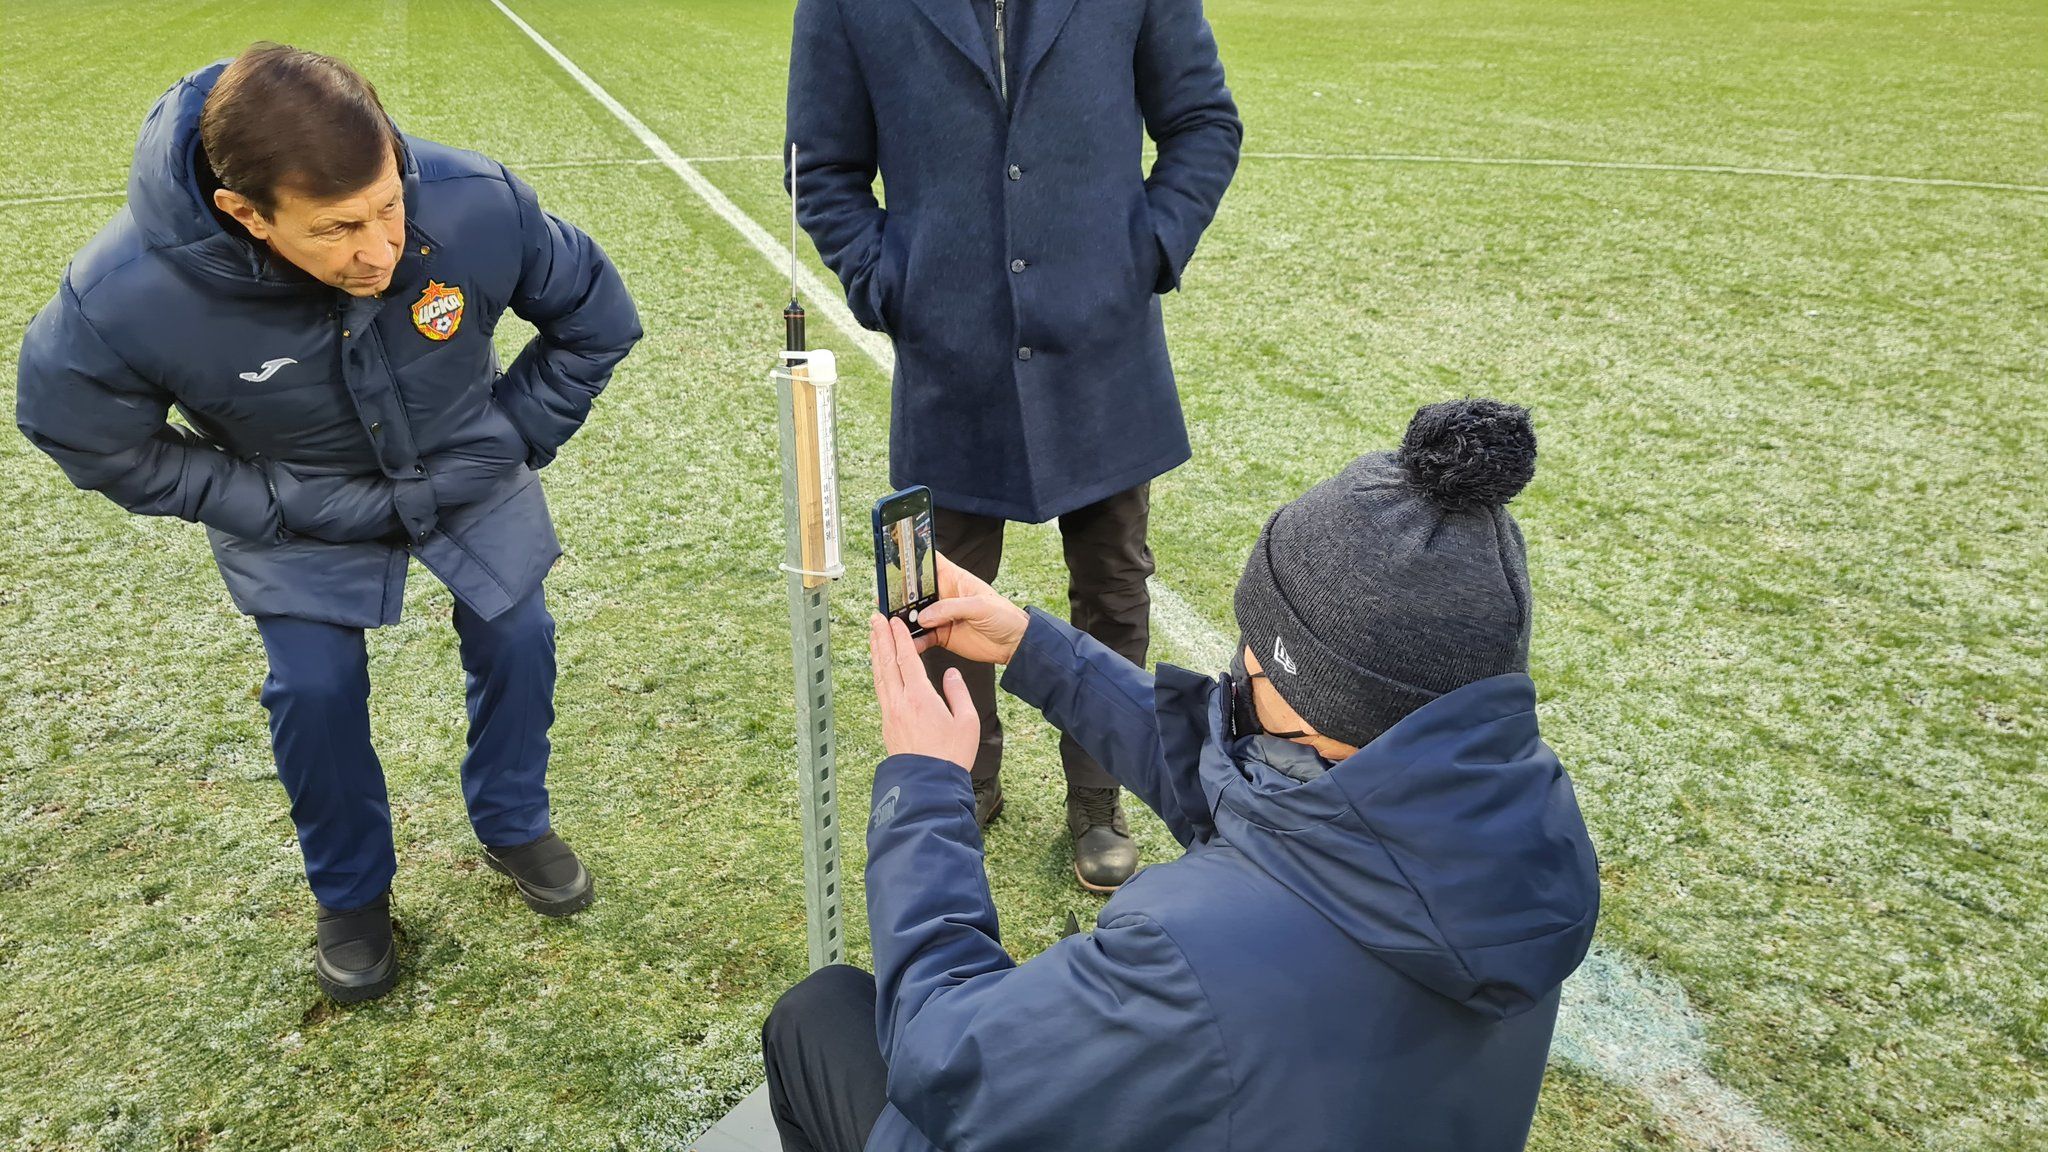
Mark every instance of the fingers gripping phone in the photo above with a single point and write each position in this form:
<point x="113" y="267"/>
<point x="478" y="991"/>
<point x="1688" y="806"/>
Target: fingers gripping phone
<point x="906" y="565"/>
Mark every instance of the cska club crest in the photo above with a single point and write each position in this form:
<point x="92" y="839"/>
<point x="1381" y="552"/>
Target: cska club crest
<point x="438" y="311"/>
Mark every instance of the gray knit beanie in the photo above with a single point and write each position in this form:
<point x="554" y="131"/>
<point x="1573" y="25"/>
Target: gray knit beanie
<point x="1400" y="579"/>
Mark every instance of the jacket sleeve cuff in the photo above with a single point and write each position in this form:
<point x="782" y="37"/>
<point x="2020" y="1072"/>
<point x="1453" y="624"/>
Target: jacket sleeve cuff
<point x="1044" y="659"/>
<point x="926" y="788"/>
<point x="1170" y="268"/>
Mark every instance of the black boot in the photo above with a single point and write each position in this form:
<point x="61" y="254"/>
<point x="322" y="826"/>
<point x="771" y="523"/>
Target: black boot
<point x="988" y="800"/>
<point x="549" y="877"/>
<point x="355" y="957"/>
<point x="1104" y="853"/>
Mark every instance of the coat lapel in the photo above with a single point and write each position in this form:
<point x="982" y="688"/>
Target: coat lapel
<point x="955" y="18"/>
<point x="1041" y="27"/>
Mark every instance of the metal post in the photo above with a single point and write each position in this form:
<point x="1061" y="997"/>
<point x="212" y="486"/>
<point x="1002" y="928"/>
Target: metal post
<point x="804" y="394"/>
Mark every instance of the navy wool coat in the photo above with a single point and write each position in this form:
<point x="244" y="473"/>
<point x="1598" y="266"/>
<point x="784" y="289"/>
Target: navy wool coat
<point x="1366" y="955"/>
<point x="327" y="437"/>
<point x="1017" y="264"/>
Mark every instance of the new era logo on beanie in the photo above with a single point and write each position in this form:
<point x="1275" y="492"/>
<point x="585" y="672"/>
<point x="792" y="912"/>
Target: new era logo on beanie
<point x="1281" y="660"/>
<point x="1399" y="579"/>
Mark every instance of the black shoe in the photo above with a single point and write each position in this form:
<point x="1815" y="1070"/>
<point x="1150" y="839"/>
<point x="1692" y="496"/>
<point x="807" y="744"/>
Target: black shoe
<point x="1104" y="853"/>
<point x="354" y="957"/>
<point x="549" y="877"/>
<point x="988" y="800"/>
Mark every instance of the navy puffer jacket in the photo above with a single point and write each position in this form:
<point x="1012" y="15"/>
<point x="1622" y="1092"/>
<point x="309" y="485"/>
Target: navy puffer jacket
<point x="327" y="437"/>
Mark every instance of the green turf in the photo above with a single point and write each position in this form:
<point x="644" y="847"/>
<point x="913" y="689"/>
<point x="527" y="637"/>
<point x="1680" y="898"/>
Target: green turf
<point x="1785" y="538"/>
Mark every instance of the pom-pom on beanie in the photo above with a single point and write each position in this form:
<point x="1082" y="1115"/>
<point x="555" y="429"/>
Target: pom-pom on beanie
<point x="1401" y="578"/>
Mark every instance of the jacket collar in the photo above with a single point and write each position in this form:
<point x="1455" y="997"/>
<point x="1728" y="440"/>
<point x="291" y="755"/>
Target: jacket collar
<point x="1451" y="847"/>
<point x="1047" y="18"/>
<point x="956" y="19"/>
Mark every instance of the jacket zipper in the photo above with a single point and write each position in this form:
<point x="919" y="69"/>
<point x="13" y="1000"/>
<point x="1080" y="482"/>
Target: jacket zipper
<point x="1002" y="55"/>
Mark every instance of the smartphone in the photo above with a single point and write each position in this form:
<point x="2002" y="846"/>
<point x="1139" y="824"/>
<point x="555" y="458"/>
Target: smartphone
<point x="906" y="565"/>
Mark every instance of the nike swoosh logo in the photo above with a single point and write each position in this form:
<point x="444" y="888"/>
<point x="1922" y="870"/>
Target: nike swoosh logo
<point x="270" y="368"/>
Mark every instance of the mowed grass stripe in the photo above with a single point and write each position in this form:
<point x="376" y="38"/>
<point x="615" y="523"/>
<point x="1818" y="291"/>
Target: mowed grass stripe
<point x="1595" y="165"/>
<point x="1318" y="157"/>
<point x="514" y="165"/>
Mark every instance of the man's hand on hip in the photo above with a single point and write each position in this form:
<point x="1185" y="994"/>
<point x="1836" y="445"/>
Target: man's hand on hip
<point x="915" y="721"/>
<point x="971" y="620"/>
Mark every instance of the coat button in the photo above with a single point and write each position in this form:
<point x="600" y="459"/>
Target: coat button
<point x="1016" y="173"/>
<point x="344" y="332"/>
<point x="424" y="249"/>
<point x="1018" y="265"/>
<point x="376" y="427"/>
<point x="419" y="469"/>
<point x="1023" y="353"/>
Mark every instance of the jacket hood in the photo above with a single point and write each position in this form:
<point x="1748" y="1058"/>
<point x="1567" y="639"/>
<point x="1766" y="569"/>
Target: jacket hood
<point x="174" y="213"/>
<point x="1451" y="848"/>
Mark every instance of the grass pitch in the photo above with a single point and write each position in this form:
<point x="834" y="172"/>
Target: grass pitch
<point x="1785" y="536"/>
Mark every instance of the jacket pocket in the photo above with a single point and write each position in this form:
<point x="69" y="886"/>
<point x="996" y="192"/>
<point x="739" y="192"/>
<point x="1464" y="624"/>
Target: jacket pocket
<point x="337" y="506"/>
<point x="1150" y="259"/>
<point x="885" y="284"/>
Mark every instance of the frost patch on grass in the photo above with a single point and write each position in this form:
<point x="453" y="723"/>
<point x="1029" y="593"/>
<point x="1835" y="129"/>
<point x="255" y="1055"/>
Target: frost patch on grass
<point x="686" y="1089"/>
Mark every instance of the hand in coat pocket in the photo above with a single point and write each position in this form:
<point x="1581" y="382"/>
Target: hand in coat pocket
<point x="1155" y="267"/>
<point x="538" y="455"/>
<point x="885" y="283"/>
<point x="340" y="509"/>
<point x="1162" y="268"/>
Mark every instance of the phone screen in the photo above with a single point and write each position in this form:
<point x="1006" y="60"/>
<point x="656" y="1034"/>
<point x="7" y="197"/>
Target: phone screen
<point x="907" y="567"/>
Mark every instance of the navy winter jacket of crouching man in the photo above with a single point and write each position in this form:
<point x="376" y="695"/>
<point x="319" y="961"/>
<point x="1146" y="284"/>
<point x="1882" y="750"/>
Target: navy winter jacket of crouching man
<point x="1367" y="957"/>
<point x="1017" y="264"/>
<point x="329" y="436"/>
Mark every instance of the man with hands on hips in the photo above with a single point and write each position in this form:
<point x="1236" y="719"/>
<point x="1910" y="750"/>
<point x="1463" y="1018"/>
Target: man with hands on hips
<point x="315" y="293"/>
<point x="1386" y="877"/>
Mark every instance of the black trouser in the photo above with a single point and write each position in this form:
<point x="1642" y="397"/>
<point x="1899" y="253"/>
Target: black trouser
<point x="1108" y="563"/>
<point x="827" y="1083"/>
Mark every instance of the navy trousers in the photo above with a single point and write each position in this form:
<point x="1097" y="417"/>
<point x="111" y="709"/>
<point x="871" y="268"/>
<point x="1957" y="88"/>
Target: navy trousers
<point x="318" y="695"/>
<point x="827" y="1081"/>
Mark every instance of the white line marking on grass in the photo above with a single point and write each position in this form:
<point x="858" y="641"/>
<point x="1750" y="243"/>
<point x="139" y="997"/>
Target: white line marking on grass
<point x="1635" y="166"/>
<point x="628" y="162"/>
<point x="1635" y="1027"/>
<point x="1619" y="1020"/>
<point x="1194" y="639"/>
<point x="1607" y="165"/>
<point x="818" y="296"/>
<point x="535" y="166"/>
<point x="65" y="198"/>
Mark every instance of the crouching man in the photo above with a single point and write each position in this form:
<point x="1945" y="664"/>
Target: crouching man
<point x="316" y="293"/>
<point x="1386" y="876"/>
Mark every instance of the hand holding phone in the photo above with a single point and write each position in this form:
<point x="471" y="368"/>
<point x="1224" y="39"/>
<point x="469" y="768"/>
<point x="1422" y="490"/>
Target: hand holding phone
<point x="916" y="720"/>
<point x="972" y="620"/>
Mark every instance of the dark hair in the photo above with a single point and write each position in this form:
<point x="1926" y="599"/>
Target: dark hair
<point x="280" y="117"/>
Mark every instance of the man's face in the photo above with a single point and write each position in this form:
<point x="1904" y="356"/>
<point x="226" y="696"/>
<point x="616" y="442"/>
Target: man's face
<point x="351" y="242"/>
